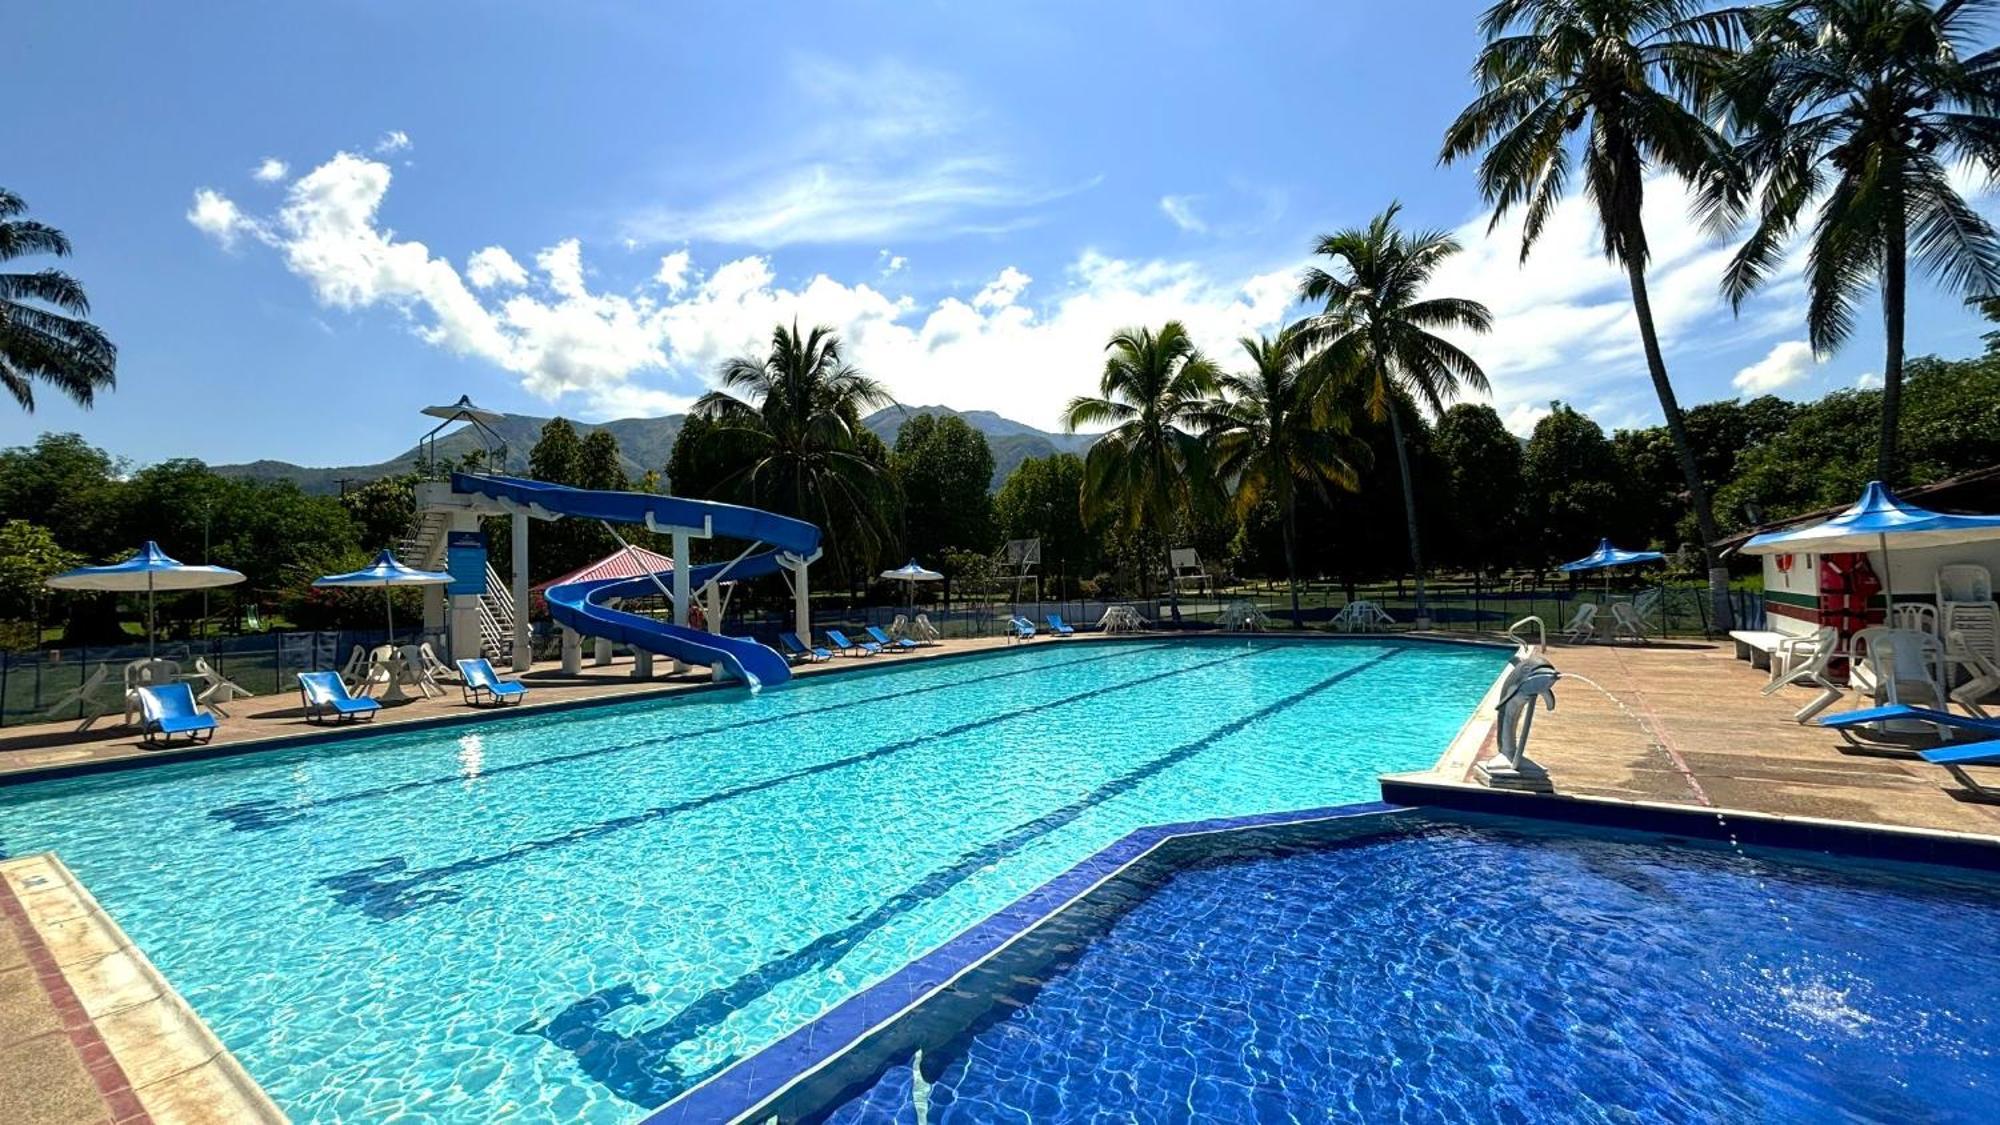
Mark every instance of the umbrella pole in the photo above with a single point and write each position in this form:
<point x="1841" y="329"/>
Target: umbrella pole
<point x="149" y="615"/>
<point x="389" y="603"/>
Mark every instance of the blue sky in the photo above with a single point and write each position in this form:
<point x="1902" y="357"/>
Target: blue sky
<point x="303" y="223"/>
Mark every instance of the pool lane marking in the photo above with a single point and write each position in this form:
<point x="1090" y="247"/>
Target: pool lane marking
<point x="651" y="1078"/>
<point x="381" y="889"/>
<point x="256" y="815"/>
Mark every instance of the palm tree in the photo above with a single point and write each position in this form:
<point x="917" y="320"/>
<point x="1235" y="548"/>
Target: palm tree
<point x="54" y="345"/>
<point x="1619" y="72"/>
<point x="1376" y="307"/>
<point x="793" y="419"/>
<point x="1151" y="467"/>
<point x="1858" y="107"/>
<point x="1282" y="427"/>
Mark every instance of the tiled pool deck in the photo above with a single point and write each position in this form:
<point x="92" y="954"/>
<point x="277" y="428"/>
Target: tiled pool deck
<point x="1677" y="726"/>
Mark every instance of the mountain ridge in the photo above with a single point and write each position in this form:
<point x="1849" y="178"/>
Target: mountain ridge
<point x="645" y="443"/>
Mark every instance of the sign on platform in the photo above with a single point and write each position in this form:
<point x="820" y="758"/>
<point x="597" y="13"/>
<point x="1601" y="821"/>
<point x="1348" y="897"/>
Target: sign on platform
<point x="465" y="560"/>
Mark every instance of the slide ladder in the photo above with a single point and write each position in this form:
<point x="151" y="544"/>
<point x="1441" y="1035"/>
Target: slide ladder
<point x="582" y="606"/>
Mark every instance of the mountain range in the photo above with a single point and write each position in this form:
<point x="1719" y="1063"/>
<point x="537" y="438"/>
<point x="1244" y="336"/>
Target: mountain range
<point x="644" y="444"/>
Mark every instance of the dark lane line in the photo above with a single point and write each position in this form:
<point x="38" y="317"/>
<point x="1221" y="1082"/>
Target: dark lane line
<point x="388" y="889"/>
<point x="638" y="1067"/>
<point x="251" y="816"/>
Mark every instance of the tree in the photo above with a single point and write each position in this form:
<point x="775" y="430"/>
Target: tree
<point x="29" y="557"/>
<point x="1858" y="109"/>
<point x="43" y="334"/>
<point x="557" y="455"/>
<point x="1618" y="72"/>
<point x="1155" y="397"/>
<point x="945" y="470"/>
<point x="383" y="510"/>
<point x="795" y="413"/>
<point x="1482" y="471"/>
<point x="1041" y="499"/>
<point x="1376" y="309"/>
<point x="1572" y="483"/>
<point x="64" y="482"/>
<point x="1281" y="428"/>
<point x="599" y="465"/>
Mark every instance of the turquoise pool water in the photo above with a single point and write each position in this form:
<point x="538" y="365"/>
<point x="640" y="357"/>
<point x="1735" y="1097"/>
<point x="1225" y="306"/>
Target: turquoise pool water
<point x="575" y="917"/>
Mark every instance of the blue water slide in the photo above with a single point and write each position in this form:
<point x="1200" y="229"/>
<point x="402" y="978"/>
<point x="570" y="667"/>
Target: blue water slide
<point x="580" y="605"/>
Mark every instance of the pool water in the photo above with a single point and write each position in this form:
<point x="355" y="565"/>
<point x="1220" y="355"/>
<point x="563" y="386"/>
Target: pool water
<point x="1477" y="974"/>
<point x="577" y="916"/>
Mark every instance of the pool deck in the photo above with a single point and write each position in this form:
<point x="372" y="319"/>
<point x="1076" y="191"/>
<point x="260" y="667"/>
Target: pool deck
<point x="272" y="721"/>
<point x="1685" y="723"/>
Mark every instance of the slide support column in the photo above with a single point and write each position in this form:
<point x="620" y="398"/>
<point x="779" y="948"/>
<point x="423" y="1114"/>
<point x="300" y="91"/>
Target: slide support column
<point x="524" y="653"/>
<point x="681" y="592"/>
<point x="802" y="619"/>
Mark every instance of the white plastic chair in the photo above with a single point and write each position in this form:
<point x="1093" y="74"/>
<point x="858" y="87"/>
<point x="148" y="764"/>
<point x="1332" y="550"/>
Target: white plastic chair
<point x="1582" y="623"/>
<point x="146" y="672"/>
<point x="90" y="696"/>
<point x="1984" y="676"/>
<point x="216" y="690"/>
<point x="1807" y="660"/>
<point x="1900" y="666"/>
<point x="419" y="672"/>
<point x="1920" y="617"/>
<point x="355" y="671"/>
<point x="925" y="631"/>
<point x="1626" y="622"/>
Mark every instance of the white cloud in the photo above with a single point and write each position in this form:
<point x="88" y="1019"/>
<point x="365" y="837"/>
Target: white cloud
<point x="877" y="153"/>
<point x="891" y="263"/>
<point x="270" y="170"/>
<point x="673" y="272"/>
<point x="1520" y="419"/>
<point x="494" y="266"/>
<point x="395" y="140"/>
<point x="1788" y="364"/>
<point x="215" y="215"/>
<point x="654" y="349"/>
<point x="1868" y="381"/>
<point x="1563" y="325"/>
<point x="1180" y="209"/>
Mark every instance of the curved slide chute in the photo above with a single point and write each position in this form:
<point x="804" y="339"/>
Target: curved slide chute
<point x="580" y="605"/>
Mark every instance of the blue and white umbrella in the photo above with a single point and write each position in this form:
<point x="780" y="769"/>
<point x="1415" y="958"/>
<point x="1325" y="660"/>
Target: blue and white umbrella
<point x="150" y="570"/>
<point x="385" y="572"/>
<point x="1605" y="557"/>
<point x="911" y="573"/>
<point x="1873" y="520"/>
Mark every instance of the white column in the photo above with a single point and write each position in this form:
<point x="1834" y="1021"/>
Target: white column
<point x="711" y="596"/>
<point x="600" y="652"/>
<point x="524" y="654"/>
<point x="642" y="664"/>
<point x="572" y="651"/>
<point x="681" y="592"/>
<point x="802" y="605"/>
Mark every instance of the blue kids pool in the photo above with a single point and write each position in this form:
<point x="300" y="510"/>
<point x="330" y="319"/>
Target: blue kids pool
<point x="1488" y="971"/>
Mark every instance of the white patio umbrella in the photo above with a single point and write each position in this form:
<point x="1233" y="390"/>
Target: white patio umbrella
<point x="1869" y="525"/>
<point x="909" y="574"/>
<point x="385" y="572"/>
<point x="150" y="570"/>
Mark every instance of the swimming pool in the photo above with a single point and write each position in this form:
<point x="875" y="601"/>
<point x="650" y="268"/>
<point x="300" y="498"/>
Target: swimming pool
<point x="1497" y="972"/>
<point x="578" y="915"/>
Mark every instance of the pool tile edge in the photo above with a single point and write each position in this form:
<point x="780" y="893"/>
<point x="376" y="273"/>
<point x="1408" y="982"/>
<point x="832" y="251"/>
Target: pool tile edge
<point x="154" y="1056"/>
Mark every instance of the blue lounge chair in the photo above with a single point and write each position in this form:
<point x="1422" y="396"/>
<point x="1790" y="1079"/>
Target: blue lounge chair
<point x="1849" y="722"/>
<point x="799" y="650"/>
<point x="893" y="644"/>
<point x="1956" y="758"/>
<point x="846" y="647"/>
<point x="169" y="710"/>
<point x="1021" y="629"/>
<point x="325" y="695"/>
<point x="478" y="679"/>
<point x="1058" y="626"/>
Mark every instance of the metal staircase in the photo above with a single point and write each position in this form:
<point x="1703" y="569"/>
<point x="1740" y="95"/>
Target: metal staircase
<point x="424" y="548"/>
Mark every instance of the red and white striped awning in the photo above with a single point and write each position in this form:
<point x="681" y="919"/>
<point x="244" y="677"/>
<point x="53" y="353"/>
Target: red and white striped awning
<point x="617" y="564"/>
